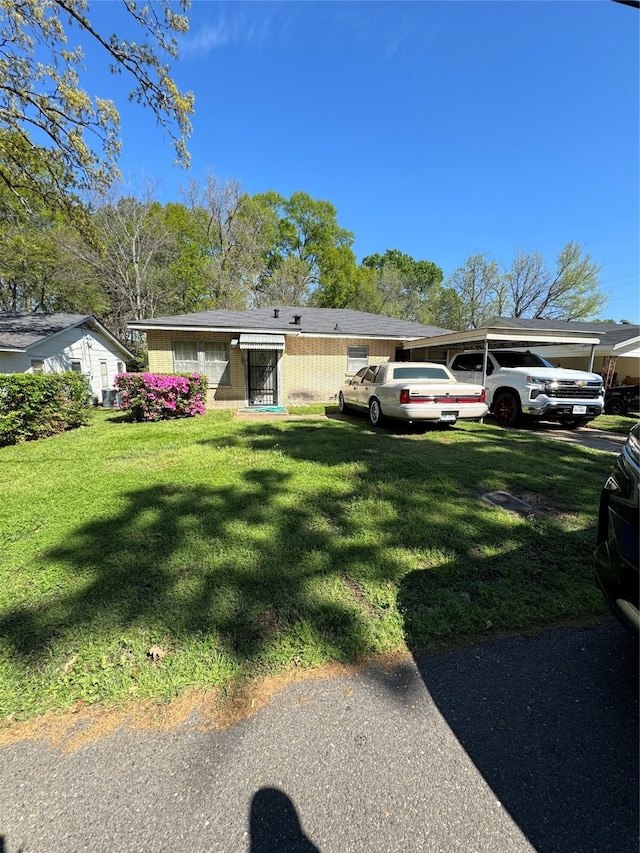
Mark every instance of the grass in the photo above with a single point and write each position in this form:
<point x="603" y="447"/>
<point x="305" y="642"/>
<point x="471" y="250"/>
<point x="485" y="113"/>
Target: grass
<point x="615" y="423"/>
<point x="250" y="548"/>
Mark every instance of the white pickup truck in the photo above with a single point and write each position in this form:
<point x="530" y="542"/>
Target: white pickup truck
<point x="522" y="383"/>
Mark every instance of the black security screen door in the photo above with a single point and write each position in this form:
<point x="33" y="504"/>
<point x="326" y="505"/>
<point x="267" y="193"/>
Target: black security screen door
<point x="263" y="384"/>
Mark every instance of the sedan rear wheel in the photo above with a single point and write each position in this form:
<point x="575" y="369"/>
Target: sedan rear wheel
<point x="375" y="412"/>
<point x="342" y="406"/>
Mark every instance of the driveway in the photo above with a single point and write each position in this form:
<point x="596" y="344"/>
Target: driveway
<point x="587" y="437"/>
<point x="511" y="746"/>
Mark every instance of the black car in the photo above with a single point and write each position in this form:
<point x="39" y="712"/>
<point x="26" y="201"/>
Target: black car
<point x="622" y="399"/>
<point x="616" y="554"/>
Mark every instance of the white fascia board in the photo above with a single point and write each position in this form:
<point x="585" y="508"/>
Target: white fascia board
<point x="477" y="337"/>
<point x="103" y="330"/>
<point x="94" y="324"/>
<point x="253" y="331"/>
<point x="630" y="347"/>
<point x="354" y="336"/>
<point x="55" y="334"/>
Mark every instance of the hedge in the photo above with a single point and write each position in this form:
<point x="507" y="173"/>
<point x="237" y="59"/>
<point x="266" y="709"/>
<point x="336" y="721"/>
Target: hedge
<point x="157" y="396"/>
<point x="37" y="405"/>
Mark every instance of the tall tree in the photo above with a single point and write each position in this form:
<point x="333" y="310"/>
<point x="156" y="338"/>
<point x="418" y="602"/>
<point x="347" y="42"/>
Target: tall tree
<point x="406" y="288"/>
<point x="480" y="289"/>
<point x="302" y="260"/>
<point x="476" y="289"/>
<point x="234" y="232"/>
<point x="35" y="272"/>
<point x="54" y="137"/>
<point x="129" y="258"/>
<point x="572" y="291"/>
<point x="342" y="283"/>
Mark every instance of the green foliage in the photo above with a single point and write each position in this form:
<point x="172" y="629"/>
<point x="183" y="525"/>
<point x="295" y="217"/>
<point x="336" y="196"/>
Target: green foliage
<point x="480" y="289"/>
<point x="310" y="252"/>
<point x="404" y="287"/>
<point x="229" y="234"/>
<point x="41" y="95"/>
<point x="39" y="405"/>
<point x="474" y="290"/>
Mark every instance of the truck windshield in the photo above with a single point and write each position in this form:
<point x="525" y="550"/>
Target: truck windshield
<point x="519" y="359"/>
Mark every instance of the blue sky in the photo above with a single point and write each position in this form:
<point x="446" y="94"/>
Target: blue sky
<point x="438" y="128"/>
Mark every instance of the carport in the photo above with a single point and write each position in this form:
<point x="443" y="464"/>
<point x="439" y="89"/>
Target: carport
<point x="444" y="347"/>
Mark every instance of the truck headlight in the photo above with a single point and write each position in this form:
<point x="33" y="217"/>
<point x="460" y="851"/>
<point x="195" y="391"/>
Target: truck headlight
<point x="534" y="380"/>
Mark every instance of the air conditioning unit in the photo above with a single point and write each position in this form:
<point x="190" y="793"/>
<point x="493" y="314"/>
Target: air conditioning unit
<point x="110" y="399"/>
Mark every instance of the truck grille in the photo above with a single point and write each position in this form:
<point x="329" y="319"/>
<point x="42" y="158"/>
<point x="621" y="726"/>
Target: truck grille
<point x="571" y="391"/>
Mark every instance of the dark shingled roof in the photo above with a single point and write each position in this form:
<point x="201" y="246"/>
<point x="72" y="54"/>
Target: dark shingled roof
<point x="610" y="333"/>
<point x="21" y="330"/>
<point x="318" y="321"/>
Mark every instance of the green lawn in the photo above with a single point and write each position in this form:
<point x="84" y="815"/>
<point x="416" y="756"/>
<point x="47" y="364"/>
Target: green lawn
<point x="251" y="547"/>
<point x="615" y="423"/>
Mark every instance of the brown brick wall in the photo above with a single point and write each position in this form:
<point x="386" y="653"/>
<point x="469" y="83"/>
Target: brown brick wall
<point x="310" y="369"/>
<point x="233" y="396"/>
<point x="313" y="369"/>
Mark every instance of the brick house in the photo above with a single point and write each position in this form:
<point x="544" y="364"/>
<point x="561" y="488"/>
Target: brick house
<point x="275" y="356"/>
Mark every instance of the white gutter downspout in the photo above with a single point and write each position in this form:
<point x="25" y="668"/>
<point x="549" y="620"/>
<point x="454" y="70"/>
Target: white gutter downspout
<point x="591" y="359"/>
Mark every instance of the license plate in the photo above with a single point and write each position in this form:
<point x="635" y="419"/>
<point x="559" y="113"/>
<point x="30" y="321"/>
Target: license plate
<point x="449" y="416"/>
<point x="579" y="410"/>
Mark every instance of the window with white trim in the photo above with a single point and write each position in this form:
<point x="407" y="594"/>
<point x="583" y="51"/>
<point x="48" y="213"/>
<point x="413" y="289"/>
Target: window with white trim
<point x="209" y="358"/>
<point x="357" y="357"/>
<point x="104" y="375"/>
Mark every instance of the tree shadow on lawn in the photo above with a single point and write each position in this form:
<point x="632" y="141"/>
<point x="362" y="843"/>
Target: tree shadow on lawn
<point x="262" y="568"/>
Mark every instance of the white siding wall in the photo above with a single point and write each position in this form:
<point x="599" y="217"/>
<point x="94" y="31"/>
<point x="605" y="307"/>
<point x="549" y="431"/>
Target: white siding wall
<point x="88" y="347"/>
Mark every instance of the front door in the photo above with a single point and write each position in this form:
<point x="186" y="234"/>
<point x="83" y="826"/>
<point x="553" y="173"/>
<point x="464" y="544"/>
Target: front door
<point x="262" y="377"/>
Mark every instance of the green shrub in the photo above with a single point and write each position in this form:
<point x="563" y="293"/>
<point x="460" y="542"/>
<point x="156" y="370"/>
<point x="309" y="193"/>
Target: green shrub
<point x="38" y="405"/>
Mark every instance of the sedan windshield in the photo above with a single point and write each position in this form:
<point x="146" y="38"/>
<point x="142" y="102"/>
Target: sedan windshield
<point x="519" y="359"/>
<point x="420" y="373"/>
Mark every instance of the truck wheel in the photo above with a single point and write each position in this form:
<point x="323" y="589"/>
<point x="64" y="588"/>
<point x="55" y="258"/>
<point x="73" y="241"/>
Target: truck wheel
<point x="375" y="412"/>
<point x="506" y="409"/>
<point x="615" y="406"/>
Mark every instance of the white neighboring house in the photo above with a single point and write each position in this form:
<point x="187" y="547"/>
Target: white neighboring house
<point x="55" y="343"/>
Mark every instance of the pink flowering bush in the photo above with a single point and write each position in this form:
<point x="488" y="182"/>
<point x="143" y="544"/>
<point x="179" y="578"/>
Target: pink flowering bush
<point x="157" y="396"/>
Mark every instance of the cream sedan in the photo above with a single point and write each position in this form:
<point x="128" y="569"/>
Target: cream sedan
<point x="413" y="391"/>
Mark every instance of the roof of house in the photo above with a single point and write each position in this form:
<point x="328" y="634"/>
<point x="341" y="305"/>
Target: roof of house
<point x="610" y="334"/>
<point x="19" y="331"/>
<point x="332" y="322"/>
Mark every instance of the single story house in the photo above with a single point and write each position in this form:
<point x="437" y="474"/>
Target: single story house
<point x="275" y="356"/>
<point x="55" y="343"/>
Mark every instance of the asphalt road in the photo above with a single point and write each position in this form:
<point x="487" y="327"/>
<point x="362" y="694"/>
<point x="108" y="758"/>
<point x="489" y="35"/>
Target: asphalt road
<point x="511" y="745"/>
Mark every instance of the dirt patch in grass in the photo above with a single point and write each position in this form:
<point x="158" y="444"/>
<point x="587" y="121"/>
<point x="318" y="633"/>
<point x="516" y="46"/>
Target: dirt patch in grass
<point x="209" y="710"/>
